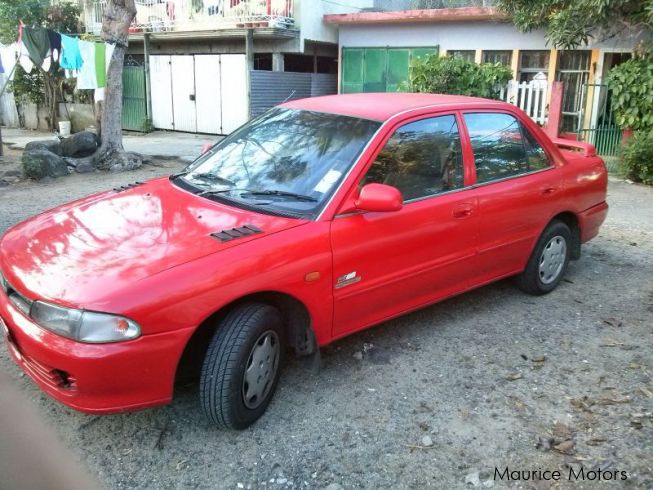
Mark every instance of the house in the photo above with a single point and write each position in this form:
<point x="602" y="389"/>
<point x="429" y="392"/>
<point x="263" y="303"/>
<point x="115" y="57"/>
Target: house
<point x="378" y="42"/>
<point x="207" y="66"/>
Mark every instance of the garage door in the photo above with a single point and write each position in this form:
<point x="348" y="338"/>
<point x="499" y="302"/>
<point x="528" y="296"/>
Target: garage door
<point x="378" y="69"/>
<point x="199" y="93"/>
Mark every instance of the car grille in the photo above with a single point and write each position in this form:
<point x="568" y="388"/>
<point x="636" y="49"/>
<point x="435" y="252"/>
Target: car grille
<point x="19" y="301"/>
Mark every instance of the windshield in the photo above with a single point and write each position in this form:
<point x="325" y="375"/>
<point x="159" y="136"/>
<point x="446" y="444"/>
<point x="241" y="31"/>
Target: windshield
<point x="287" y="161"/>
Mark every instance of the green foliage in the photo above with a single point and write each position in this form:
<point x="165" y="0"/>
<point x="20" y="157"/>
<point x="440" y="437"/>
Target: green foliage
<point x="636" y="162"/>
<point x="570" y="23"/>
<point x="31" y="167"/>
<point x="632" y="93"/>
<point x="28" y="87"/>
<point x="454" y="75"/>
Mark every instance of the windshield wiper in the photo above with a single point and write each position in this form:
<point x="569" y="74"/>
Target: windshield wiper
<point x="212" y="178"/>
<point x="269" y="192"/>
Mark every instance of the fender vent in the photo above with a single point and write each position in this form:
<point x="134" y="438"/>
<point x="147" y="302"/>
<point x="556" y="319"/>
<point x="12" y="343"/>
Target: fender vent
<point x="233" y="233"/>
<point x="126" y="187"/>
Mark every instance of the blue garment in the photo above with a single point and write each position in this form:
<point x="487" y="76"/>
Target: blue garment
<point x="71" y="58"/>
<point x="2" y="68"/>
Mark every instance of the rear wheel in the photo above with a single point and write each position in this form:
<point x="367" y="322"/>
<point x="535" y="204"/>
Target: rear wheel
<point x="242" y="366"/>
<point x="547" y="264"/>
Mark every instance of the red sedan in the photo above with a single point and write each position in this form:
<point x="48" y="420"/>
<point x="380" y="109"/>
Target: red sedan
<point x="320" y="218"/>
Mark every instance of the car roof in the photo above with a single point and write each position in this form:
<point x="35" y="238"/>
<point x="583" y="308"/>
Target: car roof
<point x="381" y="106"/>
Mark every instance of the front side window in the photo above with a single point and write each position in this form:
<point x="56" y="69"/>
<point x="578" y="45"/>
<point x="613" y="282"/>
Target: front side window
<point x="421" y="159"/>
<point x="500" y="148"/>
<point x="288" y="161"/>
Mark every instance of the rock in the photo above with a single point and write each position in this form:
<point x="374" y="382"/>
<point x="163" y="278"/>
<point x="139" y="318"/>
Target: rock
<point x="53" y="146"/>
<point x="427" y="441"/>
<point x="358" y="356"/>
<point x="3" y="183"/>
<point x="84" y="167"/>
<point x="38" y="164"/>
<point x="121" y="161"/>
<point x="79" y="145"/>
<point x="473" y="479"/>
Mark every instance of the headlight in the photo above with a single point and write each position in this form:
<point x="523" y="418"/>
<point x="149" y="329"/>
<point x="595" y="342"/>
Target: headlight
<point x="84" y="326"/>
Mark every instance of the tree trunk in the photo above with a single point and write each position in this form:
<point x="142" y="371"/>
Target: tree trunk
<point x="110" y="155"/>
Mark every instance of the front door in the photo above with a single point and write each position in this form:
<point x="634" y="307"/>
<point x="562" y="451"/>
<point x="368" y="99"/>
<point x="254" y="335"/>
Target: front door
<point x="388" y="263"/>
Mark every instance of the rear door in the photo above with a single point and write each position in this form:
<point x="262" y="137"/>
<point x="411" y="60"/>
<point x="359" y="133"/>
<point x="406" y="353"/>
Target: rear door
<point x="518" y="189"/>
<point x="388" y="263"/>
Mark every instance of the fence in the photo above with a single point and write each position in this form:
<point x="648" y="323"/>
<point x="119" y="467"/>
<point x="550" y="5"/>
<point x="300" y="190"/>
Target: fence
<point x="600" y="128"/>
<point x="529" y="97"/>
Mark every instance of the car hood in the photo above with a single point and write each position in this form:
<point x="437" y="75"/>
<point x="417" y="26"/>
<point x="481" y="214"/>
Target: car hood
<point x="84" y="250"/>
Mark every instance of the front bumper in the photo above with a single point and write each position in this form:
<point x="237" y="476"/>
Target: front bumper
<point x="94" y="378"/>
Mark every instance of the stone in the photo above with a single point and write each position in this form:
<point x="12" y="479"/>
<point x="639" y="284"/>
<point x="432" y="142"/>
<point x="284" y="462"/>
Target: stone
<point x="38" y="164"/>
<point x="427" y="441"/>
<point x="79" y="145"/>
<point x="121" y="161"/>
<point x="53" y="146"/>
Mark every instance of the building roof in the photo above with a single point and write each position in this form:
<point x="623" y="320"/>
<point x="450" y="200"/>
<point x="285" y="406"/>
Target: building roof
<point x="425" y="15"/>
<point x="380" y="106"/>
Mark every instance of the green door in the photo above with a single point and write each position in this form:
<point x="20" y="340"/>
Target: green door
<point x="134" y="107"/>
<point x="352" y="70"/>
<point x="375" y="70"/>
<point x="398" y="63"/>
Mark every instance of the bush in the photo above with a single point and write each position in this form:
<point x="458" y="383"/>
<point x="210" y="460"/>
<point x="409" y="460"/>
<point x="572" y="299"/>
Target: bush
<point x="454" y="75"/>
<point x="637" y="158"/>
<point x="632" y="93"/>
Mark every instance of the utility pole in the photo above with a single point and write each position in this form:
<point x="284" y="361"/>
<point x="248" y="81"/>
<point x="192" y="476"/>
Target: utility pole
<point x="148" y="82"/>
<point x="249" y="64"/>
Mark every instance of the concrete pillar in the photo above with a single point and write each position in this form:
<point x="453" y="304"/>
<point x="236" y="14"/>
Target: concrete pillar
<point x="277" y="62"/>
<point x="552" y="127"/>
<point x="249" y="66"/>
<point x="551" y="75"/>
<point x="514" y="64"/>
<point x="478" y="56"/>
<point x="148" y="83"/>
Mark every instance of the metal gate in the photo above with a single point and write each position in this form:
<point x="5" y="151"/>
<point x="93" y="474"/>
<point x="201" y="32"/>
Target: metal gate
<point x="199" y="93"/>
<point x="134" y="106"/>
<point x="601" y="129"/>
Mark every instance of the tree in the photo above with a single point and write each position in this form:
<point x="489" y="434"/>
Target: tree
<point x="39" y="86"/>
<point x="118" y="16"/>
<point x="570" y="23"/>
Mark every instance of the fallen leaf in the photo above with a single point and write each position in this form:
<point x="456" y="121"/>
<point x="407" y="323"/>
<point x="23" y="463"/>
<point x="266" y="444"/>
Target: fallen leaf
<point x="561" y="432"/>
<point x="647" y="392"/>
<point x="612" y="343"/>
<point x="513" y="376"/>
<point x="613" y="322"/>
<point x="596" y="441"/>
<point x="613" y="400"/>
<point x="565" y="447"/>
<point x="581" y="404"/>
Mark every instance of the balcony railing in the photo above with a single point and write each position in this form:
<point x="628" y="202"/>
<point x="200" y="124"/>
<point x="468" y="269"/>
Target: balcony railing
<point x="193" y="15"/>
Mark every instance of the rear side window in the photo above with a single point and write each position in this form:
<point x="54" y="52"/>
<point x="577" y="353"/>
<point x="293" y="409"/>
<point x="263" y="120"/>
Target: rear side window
<point x="502" y="147"/>
<point x="421" y="159"/>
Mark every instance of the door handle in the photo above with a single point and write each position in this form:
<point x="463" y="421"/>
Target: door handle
<point x="462" y="211"/>
<point x="548" y="190"/>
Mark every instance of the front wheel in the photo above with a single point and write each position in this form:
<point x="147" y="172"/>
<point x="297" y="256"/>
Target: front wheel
<point x="548" y="263"/>
<point x="242" y="366"/>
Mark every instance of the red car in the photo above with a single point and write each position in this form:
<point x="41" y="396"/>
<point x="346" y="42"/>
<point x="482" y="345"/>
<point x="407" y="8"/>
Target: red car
<point x="318" y="219"/>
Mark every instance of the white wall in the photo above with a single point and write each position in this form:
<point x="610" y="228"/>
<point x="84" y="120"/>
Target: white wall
<point x="460" y="35"/>
<point x="310" y="14"/>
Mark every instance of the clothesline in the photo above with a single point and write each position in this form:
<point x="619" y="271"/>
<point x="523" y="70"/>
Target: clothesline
<point x="87" y="61"/>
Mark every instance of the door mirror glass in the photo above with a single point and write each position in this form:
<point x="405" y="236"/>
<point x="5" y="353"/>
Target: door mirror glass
<point x="379" y="197"/>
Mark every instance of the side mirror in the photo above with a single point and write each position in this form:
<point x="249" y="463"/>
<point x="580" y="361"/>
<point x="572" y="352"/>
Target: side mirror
<point x="379" y="197"/>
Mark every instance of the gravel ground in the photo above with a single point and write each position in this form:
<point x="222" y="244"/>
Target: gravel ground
<point x="437" y="398"/>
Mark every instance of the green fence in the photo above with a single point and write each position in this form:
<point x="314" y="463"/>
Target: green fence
<point x="134" y="107"/>
<point x="603" y="132"/>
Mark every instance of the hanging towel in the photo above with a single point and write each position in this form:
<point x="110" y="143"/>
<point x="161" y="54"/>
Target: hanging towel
<point x="55" y="45"/>
<point x="100" y="65"/>
<point x="70" y="58"/>
<point x="37" y="43"/>
<point x="23" y="59"/>
<point x="87" y="78"/>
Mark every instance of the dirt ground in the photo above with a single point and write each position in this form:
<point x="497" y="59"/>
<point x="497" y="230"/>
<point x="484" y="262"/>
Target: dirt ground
<point x="437" y="398"/>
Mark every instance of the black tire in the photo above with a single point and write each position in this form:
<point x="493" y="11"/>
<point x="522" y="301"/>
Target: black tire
<point x="222" y="382"/>
<point x="533" y="280"/>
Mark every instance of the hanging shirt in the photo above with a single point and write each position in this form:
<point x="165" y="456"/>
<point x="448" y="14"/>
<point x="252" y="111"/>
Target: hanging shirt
<point x="37" y="43"/>
<point x="70" y="58"/>
<point x="9" y="58"/>
<point x="100" y="65"/>
<point x="55" y="45"/>
<point x="87" y="78"/>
